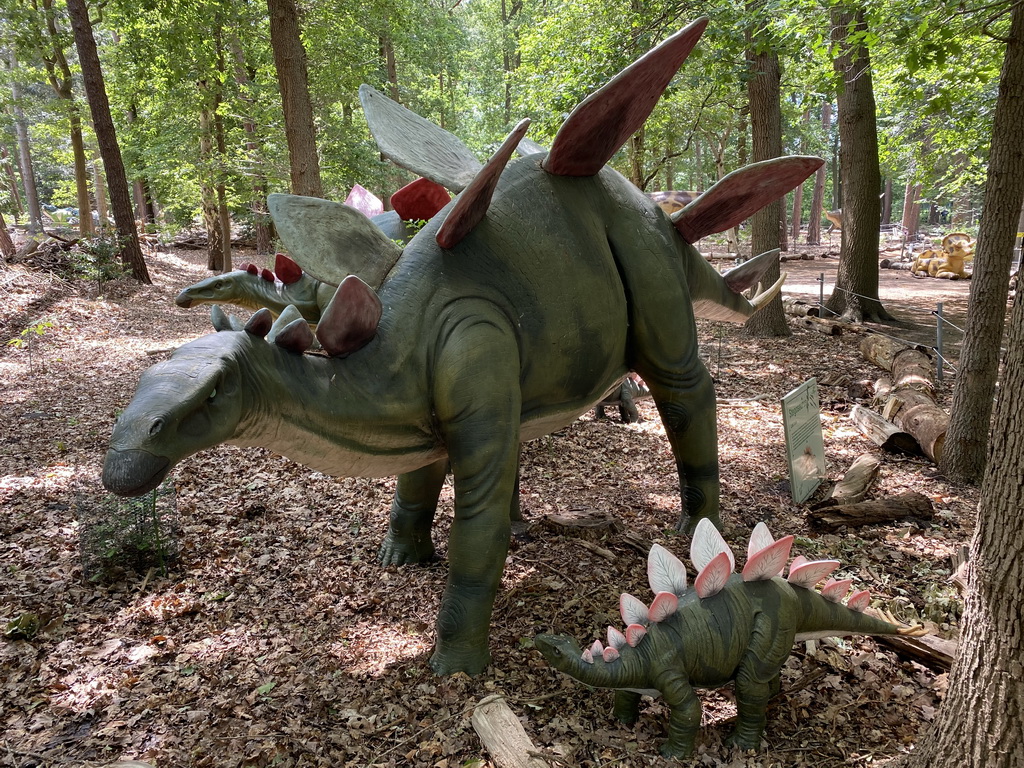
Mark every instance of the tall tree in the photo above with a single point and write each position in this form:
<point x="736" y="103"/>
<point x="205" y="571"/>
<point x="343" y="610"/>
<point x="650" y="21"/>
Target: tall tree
<point x="855" y="295"/>
<point x="28" y="176"/>
<point x="966" y="445"/>
<point x="764" y="93"/>
<point x="58" y="72"/>
<point x="293" y="78"/>
<point x="110" y="151"/>
<point x="820" y="177"/>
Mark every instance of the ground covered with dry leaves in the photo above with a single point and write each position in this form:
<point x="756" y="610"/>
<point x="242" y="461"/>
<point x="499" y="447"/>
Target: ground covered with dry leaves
<point x="275" y="638"/>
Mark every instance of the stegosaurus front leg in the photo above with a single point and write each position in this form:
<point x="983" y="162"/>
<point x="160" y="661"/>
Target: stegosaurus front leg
<point x="757" y="678"/>
<point x="684" y="719"/>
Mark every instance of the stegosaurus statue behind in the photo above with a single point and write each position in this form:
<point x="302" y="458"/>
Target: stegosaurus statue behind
<point x="727" y="627"/>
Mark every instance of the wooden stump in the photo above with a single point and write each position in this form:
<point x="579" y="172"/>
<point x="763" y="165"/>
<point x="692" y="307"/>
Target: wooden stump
<point x="855" y="483"/>
<point x="503" y="736"/>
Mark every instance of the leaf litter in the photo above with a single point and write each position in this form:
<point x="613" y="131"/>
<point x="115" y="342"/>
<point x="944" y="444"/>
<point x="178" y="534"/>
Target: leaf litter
<point x="275" y="638"/>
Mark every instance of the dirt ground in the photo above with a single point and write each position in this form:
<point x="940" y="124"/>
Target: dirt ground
<point x="275" y="639"/>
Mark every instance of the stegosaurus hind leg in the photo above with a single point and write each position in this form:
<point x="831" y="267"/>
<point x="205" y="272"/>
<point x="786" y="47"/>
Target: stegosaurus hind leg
<point x="757" y="679"/>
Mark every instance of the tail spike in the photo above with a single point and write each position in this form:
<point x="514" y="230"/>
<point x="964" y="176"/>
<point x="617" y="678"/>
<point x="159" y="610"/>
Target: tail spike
<point x="267" y="275"/>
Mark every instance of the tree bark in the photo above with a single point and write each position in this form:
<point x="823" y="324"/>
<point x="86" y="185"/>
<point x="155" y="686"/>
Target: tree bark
<point x="818" y="196"/>
<point x="110" y="151"/>
<point x="28" y="176"/>
<point x="979" y="723"/>
<point x="59" y="74"/>
<point x="293" y="80"/>
<point x="764" y="95"/>
<point x="12" y="182"/>
<point x="258" y="204"/>
<point x="7" y="248"/>
<point x="967" y="441"/>
<point x="911" y="210"/>
<point x="910" y="504"/>
<point x="855" y="296"/>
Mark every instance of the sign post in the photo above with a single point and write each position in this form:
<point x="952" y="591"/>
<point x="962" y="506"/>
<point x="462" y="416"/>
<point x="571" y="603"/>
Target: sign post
<point x="805" y="449"/>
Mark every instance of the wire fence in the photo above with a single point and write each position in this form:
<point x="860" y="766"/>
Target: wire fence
<point x="941" y="323"/>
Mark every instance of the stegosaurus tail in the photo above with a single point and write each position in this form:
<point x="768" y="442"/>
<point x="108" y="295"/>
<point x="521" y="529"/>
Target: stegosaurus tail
<point x="715" y="563"/>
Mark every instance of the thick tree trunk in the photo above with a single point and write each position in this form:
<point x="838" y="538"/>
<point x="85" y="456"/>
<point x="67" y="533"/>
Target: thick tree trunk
<point x="117" y="181"/>
<point x="979" y="723"/>
<point x="293" y="80"/>
<point x="764" y="95"/>
<point x="855" y="296"/>
<point x="207" y="188"/>
<point x="968" y="437"/>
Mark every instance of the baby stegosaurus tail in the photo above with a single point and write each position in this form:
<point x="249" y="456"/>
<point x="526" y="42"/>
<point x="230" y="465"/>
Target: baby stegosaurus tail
<point x="728" y="626"/>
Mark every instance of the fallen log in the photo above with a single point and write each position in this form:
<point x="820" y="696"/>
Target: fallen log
<point x="827" y="327"/>
<point x="930" y="649"/>
<point x="883" y="433"/>
<point x="503" y="736"/>
<point x="855" y="483"/>
<point x="910" y="504"/>
<point x="799" y="307"/>
<point x="910" y="404"/>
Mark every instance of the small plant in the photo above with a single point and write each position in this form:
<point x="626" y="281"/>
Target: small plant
<point x="29" y="338"/>
<point x="98" y="259"/>
<point x="117" y="534"/>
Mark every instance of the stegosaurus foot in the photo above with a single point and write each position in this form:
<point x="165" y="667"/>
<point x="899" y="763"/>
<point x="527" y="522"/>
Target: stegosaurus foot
<point x="403" y="550"/>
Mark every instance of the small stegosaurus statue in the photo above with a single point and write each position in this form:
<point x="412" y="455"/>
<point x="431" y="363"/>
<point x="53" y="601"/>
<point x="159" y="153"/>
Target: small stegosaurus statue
<point x="727" y="627"/>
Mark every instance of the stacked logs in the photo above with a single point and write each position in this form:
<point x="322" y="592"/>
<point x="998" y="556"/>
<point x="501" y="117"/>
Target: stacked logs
<point x="907" y="397"/>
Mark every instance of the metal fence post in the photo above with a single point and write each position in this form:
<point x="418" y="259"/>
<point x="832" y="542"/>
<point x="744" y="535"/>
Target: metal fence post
<point x="938" y="341"/>
<point x="821" y="291"/>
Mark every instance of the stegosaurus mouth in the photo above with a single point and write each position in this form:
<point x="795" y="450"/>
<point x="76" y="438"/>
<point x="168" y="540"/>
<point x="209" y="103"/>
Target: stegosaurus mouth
<point x="133" y="472"/>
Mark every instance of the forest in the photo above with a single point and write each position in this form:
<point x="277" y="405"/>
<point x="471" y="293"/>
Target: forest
<point x="253" y="611"/>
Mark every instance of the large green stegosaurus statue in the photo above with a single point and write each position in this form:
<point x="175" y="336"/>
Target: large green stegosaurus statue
<point x="727" y="627"/>
<point x="515" y="309"/>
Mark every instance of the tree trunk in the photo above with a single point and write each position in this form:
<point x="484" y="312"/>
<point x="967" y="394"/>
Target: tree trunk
<point x="798" y="193"/>
<point x="12" y="182"/>
<point x="818" y="196"/>
<point x="887" y="203"/>
<point x="258" y="204"/>
<point x="855" y="296"/>
<point x="28" y="176"/>
<point x="764" y="95"/>
<point x="117" y="181"/>
<point x="101" y="195"/>
<point x="59" y="74"/>
<point x="207" y="188"/>
<point x="911" y="211"/>
<point x="636" y="158"/>
<point x="979" y="723"/>
<point x="293" y="80"/>
<point x="7" y="249"/>
<point x="967" y="441"/>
